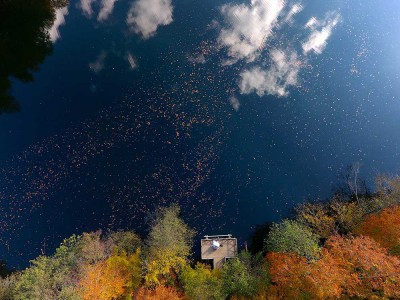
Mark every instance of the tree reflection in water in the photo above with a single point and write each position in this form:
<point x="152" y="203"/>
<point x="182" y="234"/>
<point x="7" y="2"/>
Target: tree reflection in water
<point x="24" y="42"/>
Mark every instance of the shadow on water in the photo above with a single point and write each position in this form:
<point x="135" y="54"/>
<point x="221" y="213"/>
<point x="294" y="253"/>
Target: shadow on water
<point x="24" y="42"/>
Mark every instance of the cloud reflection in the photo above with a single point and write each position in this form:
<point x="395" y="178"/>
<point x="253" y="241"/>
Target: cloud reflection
<point x="59" y="21"/>
<point x="145" y="16"/>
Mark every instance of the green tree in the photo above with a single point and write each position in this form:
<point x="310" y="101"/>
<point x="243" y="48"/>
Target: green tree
<point x="45" y="279"/>
<point x="168" y="245"/>
<point x="7" y="287"/>
<point x="238" y="278"/>
<point x="258" y="267"/>
<point x="202" y="283"/>
<point x="50" y="277"/>
<point x="126" y="241"/>
<point x="292" y="237"/>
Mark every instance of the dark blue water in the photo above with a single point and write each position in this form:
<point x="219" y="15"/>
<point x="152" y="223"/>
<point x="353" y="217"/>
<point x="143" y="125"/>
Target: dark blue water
<point x="101" y="149"/>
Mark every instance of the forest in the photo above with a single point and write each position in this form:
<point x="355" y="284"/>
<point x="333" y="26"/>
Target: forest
<point x="346" y="247"/>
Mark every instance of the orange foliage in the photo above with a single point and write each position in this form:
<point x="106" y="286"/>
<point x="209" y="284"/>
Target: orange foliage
<point x="159" y="293"/>
<point x="370" y="268"/>
<point x="287" y="274"/>
<point x="383" y="228"/>
<point x="110" y="279"/>
<point x="296" y="278"/>
<point x="327" y="278"/>
<point x="347" y="266"/>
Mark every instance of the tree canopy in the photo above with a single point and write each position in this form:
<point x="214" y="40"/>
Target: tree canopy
<point x="291" y="236"/>
<point x="168" y="245"/>
<point x="340" y="249"/>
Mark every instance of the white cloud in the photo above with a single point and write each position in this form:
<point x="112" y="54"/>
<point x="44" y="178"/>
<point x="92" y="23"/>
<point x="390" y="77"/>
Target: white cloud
<point x="98" y="64"/>
<point x="60" y="20"/>
<point x="248" y="27"/>
<point x="320" y="33"/>
<point x="86" y="7"/>
<point x="282" y="74"/>
<point x="294" y="10"/>
<point x="234" y="103"/>
<point x="145" y="16"/>
<point x="313" y="23"/>
<point x="107" y="7"/>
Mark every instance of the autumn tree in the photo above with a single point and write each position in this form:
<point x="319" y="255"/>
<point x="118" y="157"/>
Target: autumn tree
<point x="294" y="277"/>
<point x="347" y="214"/>
<point x="114" y="278"/>
<point x="127" y="241"/>
<point x="372" y="271"/>
<point x="326" y="219"/>
<point x="288" y="271"/>
<point x="58" y="276"/>
<point x="348" y="266"/>
<point x="384" y="228"/>
<point x="317" y="217"/>
<point x="388" y="191"/>
<point x="96" y="246"/>
<point x="292" y="237"/>
<point x="383" y="183"/>
<point x="91" y="248"/>
<point x="169" y="245"/>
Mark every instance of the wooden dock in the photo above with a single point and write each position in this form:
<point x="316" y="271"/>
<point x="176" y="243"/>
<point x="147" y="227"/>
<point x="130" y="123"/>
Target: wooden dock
<point x="228" y="249"/>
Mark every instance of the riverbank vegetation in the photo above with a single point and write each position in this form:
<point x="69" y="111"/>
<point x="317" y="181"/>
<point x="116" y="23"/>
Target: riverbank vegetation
<point x="345" y="248"/>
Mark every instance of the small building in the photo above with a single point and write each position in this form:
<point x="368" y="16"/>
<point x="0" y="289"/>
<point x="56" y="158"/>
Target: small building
<point x="218" y="248"/>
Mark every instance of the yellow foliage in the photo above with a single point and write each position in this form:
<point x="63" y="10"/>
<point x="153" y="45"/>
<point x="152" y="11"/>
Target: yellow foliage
<point x="115" y="277"/>
<point x="165" y="263"/>
<point x="348" y="214"/>
<point x="315" y="216"/>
